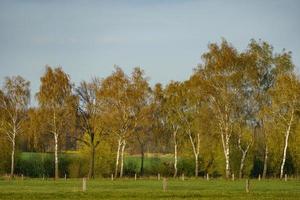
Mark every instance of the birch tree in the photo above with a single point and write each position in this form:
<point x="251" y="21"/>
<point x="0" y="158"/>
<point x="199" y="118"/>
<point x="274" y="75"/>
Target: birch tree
<point x="14" y="102"/>
<point x="219" y="77"/>
<point x="264" y="69"/>
<point x="54" y="97"/>
<point x="114" y="94"/>
<point x="190" y="116"/>
<point x="181" y="111"/>
<point x="245" y="141"/>
<point x="286" y="105"/>
<point x="170" y="104"/>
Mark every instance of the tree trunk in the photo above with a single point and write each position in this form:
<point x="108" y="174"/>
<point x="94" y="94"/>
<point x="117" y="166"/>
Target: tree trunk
<point x="12" y="158"/>
<point x="244" y="154"/>
<point x="225" y="136"/>
<point x="242" y="165"/>
<point x="92" y="162"/>
<point x="142" y="160"/>
<point x="287" y="134"/>
<point x="118" y="157"/>
<point x="265" y="162"/>
<point x="227" y="157"/>
<point x="122" y="158"/>
<point x="196" y="165"/>
<point x="175" y="153"/>
<point x="56" y="155"/>
<point x="196" y="150"/>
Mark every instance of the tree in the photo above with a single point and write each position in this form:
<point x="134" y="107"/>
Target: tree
<point x="286" y="104"/>
<point x="14" y="101"/>
<point x="170" y="104"/>
<point x="190" y="119"/>
<point x="142" y="108"/>
<point x="197" y="118"/>
<point x="115" y="102"/>
<point x="33" y="137"/>
<point x="245" y="141"/>
<point x="219" y="78"/>
<point x="266" y="66"/>
<point x="90" y="119"/>
<point x="57" y="102"/>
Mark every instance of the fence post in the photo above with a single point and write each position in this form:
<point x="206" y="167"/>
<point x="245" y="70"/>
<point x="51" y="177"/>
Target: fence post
<point x="247" y="185"/>
<point x="135" y="176"/>
<point x="285" y="177"/>
<point x="112" y="177"/>
<point x="232" y="177"/>
<point x="158" y="176"/>
<point x="259" y="177"/>
<point x="182" y="176"/>
<point x="165" y="184"/>
<point x="207" y="176"/>
<point x="84" y="184"/>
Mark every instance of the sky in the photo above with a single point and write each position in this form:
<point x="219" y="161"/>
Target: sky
<point x="165" y="38"/>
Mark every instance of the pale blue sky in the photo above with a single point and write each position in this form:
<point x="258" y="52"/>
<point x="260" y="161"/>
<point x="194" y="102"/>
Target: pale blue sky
<point x="165" y="38"/>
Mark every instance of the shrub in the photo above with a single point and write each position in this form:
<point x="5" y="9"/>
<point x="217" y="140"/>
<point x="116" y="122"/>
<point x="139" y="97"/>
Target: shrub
<point x="42" y="164"/>
<point x="4" y="155"/>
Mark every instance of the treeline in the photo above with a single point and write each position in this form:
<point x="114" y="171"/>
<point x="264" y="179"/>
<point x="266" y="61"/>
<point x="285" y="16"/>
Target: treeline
<point x="238" y="113"/>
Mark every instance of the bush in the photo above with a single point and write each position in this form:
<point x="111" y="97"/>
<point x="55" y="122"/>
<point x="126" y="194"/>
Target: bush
<point x="76" y="164"/>
<point x="4" y="155"/>
<point x="153" y="165"/>
<point x="42" y="164"/>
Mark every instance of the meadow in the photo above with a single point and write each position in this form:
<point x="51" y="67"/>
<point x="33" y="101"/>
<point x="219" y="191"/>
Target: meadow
<point x="148" y="189"/>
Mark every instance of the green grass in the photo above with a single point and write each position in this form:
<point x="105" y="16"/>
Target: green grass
<point x="148" y="189"/>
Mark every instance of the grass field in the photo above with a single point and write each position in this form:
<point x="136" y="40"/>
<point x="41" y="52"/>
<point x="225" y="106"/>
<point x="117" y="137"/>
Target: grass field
<point x="148" y="189"/>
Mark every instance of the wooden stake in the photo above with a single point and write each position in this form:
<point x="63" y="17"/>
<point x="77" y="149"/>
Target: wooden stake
<point x="158" y="176"/>
<point x="247" y="186"/>
<point x="259" y="177"/>
<point x="135" y="176"/>
<point x="84" y="184"/>
<point x="182" y="176"/>
<point x="165" y="184"/>
<point x="285" y="177"/>
<point x="65" y="177"/>
<point x="232" y="177"/>
<point x="112" y="177"/>
<point x="207" y="177"/>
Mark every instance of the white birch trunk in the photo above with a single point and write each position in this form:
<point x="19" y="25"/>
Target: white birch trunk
<point x="56" y="155"/>
<point x="244" y="154"/>
<point x="196" y="165"/>
<point x="265" y="162"/>
<point x="13" y="144"/>
<point x="242" y="165"/>
<point x="12" y="157"/>
<point x="175" y="160"/>
<point x="227" y="156"/>
<point x="55" y="134"/>
<point x="225" y="143"/>
<point x="287" y="134"/>
<point x="122" y="158"/>
<point x="195" y="151"/>
<point x="175" y="152"/>
<point x="118" y="157"/>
